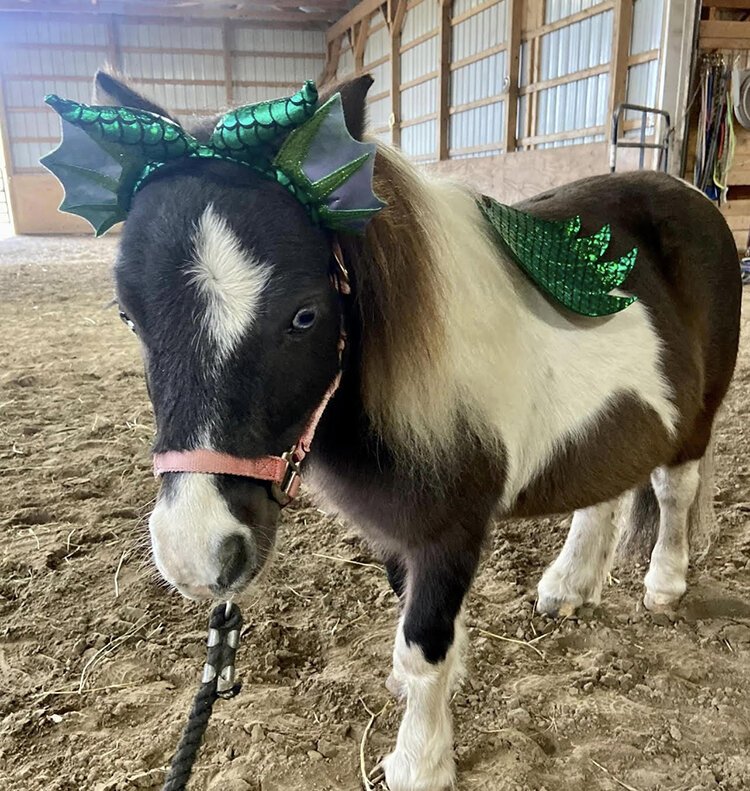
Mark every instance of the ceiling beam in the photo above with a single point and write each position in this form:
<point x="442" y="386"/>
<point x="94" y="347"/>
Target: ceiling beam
<point x="258" y="13"/>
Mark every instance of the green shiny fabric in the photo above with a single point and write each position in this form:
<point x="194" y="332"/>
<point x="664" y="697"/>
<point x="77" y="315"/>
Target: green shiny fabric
<point x="567" y="267"/>
<point x="122" y="148"/>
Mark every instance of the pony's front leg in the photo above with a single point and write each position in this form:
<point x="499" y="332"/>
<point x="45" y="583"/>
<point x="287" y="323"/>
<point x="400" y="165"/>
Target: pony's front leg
<point x="427" y="664"/>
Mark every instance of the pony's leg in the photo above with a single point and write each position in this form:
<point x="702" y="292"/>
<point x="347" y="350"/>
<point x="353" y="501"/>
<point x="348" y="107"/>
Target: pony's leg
<point x="427" y="664"/>
<point x="675" y="489"/>
<point x="396" y="573"/>
<point x="578" y="573"/>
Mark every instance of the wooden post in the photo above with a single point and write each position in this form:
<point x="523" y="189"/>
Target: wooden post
<point x="532" y="102"/>
<point x="6" y="162"/>
<point x="398" y="11"/>
<point x="618" y="73"/>
<point x="444" y="78"/>
<point x="114" y="53"/>
<point x="227" y="41"/>
<point x="513" y="55"/>
<point x="332" y="60"/>
<point x="361" y="31"/>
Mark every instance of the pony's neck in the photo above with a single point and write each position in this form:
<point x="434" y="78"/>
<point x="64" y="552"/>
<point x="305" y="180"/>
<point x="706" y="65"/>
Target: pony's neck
<point x="430" y="288"/>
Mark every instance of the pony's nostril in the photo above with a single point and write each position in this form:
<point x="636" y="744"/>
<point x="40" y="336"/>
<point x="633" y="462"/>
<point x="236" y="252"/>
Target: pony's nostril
<point x="233" y="560"/>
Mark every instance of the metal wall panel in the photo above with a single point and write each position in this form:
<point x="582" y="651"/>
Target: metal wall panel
<point x="575" y="105"/>
<point x="166" y="77"/>
<point x="378" y="44"/>
<point x="559" y="9"/>
<point x="575" y="47"/>
<point x="478" y="80"/>
<point x="206" y="36"/>
<point x="419" y="140"/>
<point x="419" y="100"/>
<point x="279" y="40"/>
<point x="420" y="19"/>
<point x="35" y="28"/>
<point x="345" y="66"/>
<point x="648" y="20"/>
<point x="381" y="76"/>
<point x="477" y="127"/>
<point x="482" y="31"/>
<point x="270" y="69"/>
<point x="420" y="60"/>
<point x="379" y="113"/>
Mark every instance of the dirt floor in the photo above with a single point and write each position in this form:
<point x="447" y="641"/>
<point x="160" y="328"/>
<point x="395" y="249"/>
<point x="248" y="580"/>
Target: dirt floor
<point x="99" y="662"/>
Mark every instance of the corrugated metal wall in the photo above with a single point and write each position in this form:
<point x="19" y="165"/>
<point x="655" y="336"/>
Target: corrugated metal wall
<point x="419" y="80"/>
<point x="643" y="78"/>
<point x="478" y="75"/>
<point x="181" y="66"/>
<point x="377" y="62"/>
<point x="563" y="83"/>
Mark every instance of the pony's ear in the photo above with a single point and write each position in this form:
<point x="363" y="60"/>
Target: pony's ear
<point x="353" y="95"/>
<point x="110" y="90"/>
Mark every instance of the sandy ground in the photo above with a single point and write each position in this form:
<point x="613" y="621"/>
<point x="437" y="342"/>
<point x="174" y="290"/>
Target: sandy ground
<point x="99" y="662"/>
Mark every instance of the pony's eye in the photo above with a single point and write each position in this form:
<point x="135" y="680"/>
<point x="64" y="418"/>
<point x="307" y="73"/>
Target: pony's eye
<point x="126" y="320"/>
<point x="304" y="319"/>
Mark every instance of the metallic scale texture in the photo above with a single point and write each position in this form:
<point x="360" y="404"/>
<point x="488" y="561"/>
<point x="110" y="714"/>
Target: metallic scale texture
<point x="563" y="265"/>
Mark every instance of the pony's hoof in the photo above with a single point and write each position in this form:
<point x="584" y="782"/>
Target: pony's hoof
<point x="556" y="596"/>
<point x="660" y="602"/>
<point x="402" y="774"/>
<point x="557" y="608"/>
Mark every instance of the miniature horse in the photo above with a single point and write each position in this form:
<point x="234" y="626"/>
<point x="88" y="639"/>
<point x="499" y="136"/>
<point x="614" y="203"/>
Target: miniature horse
<point x="465" y="394"/>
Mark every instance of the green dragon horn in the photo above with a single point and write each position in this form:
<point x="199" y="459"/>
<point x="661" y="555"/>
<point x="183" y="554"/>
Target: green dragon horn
<point x="157" y="138"/>
<point x="246" y="129"/>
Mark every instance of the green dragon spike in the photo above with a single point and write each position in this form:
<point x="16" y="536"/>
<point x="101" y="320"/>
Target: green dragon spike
<point x="563" y="265"/>
<point x="322" y="160"/>
<point x="246" y="129"/>
<point x="108" y="153"/>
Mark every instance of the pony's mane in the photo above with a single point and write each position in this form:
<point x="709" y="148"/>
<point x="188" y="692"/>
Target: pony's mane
<point x="413" y="252"/>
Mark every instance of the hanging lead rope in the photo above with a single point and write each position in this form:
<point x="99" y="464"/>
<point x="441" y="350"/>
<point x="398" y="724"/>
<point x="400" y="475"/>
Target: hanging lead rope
<point x="217" y="682"/>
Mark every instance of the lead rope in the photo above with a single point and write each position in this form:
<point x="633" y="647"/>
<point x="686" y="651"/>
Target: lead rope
<point x="218" y="682"/>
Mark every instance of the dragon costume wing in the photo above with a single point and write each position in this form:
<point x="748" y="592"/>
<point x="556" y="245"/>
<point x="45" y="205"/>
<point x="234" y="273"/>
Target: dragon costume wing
<point x="103" y="153"/>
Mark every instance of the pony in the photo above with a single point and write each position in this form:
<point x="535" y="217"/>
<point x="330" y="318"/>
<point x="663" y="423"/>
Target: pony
<point x="464" y="395"/>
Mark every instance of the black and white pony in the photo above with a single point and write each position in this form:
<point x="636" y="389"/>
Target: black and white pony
<point x="465" y="393"/>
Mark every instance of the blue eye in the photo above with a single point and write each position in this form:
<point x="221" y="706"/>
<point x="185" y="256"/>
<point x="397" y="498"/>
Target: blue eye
<point x="304" y="319"/>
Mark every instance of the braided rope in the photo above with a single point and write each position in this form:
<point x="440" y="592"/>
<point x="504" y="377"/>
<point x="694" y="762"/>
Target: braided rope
<point x="218" y="681"/>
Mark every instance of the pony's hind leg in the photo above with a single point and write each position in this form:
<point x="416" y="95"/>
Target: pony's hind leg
<point x="427" y="665"/>
<point x="579" y="572"/>
<point x="676" y="489"/>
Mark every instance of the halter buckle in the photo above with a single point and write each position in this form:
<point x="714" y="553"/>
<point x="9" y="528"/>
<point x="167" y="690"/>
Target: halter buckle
<point x="284" y="491"/>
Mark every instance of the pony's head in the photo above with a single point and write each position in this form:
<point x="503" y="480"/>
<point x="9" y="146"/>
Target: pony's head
<point x="226" y="282"/>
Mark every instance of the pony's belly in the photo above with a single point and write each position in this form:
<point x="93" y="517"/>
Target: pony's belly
<point x="619" y="452"/>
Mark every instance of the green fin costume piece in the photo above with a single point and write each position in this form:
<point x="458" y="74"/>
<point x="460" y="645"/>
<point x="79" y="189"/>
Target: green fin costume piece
<point x="108" y="153"/>
<point x="563" y="265"/>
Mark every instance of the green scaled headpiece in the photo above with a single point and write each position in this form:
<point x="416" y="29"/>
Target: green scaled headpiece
<point x="567" y="267"/>
<point x="108" y="153"/>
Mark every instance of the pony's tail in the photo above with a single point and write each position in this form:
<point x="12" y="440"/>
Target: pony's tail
<point x="638" y="516"/>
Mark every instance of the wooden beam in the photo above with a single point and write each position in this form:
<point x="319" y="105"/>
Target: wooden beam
<point x="132" y="9"/>
<point x="114" y="52"/>
<point x="515" y="19"/>
<point x="333" y="52"/>
<point x="398" y="9"/>
<point x="5" y="152"/>
<point x="618" y="73"/>
<point x="444" y="79"/>
<point x="360" y="42"/>
<point x="358" y="13"/>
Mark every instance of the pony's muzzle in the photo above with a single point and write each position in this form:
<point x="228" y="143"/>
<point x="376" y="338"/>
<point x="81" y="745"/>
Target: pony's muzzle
<point x="203" y="543"/>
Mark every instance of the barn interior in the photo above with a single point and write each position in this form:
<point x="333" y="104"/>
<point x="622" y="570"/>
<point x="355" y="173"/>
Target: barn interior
<point x="98" y="662"/>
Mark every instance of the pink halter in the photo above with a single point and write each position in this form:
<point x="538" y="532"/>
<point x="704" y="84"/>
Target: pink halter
<point x="282" y="471"/>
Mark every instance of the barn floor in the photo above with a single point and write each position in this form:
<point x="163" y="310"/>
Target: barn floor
<point x="99" y="662"/>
